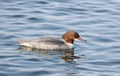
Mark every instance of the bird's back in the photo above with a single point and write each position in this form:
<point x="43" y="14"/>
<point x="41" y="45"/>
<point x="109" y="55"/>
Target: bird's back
<point x="47" y="43"/>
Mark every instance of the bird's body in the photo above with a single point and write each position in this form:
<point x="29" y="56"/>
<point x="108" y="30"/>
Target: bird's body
<point x="51" y="43"/>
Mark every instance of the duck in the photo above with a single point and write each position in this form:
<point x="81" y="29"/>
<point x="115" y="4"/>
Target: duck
<point x="52" y="43"/>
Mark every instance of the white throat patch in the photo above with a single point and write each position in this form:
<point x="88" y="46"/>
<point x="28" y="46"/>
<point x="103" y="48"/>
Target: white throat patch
<point x="70" y="45"/>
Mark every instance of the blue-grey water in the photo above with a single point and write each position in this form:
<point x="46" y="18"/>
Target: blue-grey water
<point x="97" y="21"/>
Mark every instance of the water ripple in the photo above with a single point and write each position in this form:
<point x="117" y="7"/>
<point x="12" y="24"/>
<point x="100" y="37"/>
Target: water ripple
<point x="96" y="21"/>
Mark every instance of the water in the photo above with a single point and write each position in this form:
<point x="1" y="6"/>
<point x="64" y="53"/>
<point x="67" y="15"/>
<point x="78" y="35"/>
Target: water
<point x="97" y="21"/>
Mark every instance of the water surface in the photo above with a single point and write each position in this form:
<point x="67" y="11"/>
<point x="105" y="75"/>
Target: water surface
<point x="96" y="21"/>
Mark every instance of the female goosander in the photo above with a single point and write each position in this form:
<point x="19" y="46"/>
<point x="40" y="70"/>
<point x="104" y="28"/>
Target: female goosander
<point x="50" y="43"/>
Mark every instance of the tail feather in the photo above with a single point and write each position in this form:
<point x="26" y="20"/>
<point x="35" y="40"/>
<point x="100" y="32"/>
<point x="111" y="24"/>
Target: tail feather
<point x="23" y="42"/>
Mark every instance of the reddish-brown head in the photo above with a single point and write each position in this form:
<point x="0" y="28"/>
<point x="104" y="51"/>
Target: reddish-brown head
<point x="70" y="36"/>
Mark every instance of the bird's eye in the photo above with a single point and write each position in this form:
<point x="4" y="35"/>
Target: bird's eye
<point x="77" y="35"/>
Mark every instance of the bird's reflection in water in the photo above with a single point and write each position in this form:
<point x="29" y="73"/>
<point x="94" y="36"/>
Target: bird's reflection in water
<point x="66" y="55"/>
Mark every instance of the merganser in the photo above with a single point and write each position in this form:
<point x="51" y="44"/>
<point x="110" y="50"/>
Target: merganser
<point x="51" y="43"/>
